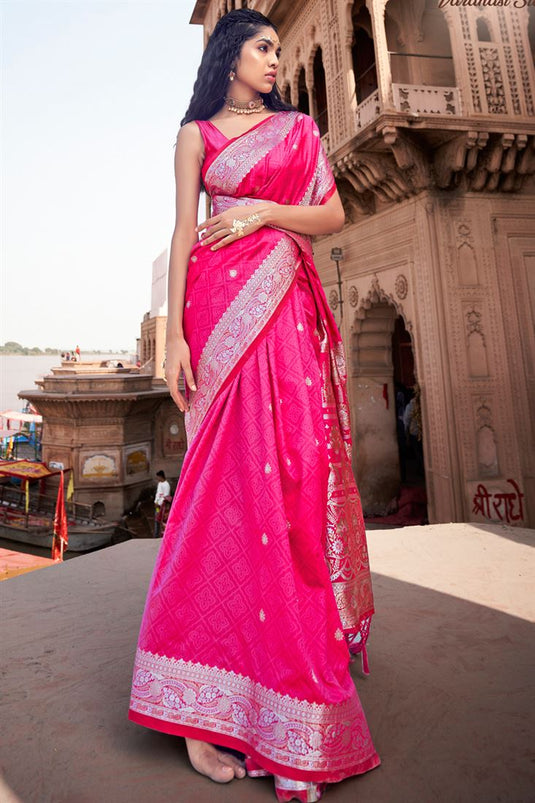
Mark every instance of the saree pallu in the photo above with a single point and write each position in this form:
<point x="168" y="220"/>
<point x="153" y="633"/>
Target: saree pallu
<point x="262" y="581"/>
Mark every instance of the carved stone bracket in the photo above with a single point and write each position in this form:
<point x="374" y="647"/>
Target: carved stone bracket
<point x="375" y="173"/>
<point x="355" y="201"/>
<point x="456" y="155"/>
<point x="497" y="161"/>
<point x="478" y="160"/>
<point x="409" y="157"/>
<point x="485" y="162"/>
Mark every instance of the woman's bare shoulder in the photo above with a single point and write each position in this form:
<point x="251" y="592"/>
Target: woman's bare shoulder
<point x="189" y="133"/>
<point x="189" y="140"/>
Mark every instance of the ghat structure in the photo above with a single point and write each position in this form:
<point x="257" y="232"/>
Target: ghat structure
<point x="426" y="110"/>
<point x="115" y="427"/>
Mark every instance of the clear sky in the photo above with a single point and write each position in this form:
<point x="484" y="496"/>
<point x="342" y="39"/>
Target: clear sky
<point x="92" y="96"/>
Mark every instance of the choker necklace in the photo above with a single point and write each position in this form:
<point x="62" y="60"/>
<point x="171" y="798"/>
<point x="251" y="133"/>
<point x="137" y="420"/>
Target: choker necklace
<point x="244" y="106"/>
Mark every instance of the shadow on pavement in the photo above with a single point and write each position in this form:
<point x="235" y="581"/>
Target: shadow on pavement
<point x="449" y="698"/>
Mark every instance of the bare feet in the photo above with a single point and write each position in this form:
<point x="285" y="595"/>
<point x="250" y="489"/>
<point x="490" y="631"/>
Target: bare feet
<point x="206" y="759"/>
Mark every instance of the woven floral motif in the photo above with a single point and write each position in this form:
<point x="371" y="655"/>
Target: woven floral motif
<point x="285" y="730"/>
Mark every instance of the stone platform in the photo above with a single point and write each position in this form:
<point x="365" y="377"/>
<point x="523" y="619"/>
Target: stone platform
<point x="13" y="563"/>
<point x="449" y="699"/>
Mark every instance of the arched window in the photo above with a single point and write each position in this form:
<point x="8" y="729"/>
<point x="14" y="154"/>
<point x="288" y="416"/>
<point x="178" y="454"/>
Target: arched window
<point x="99" y="509"/>
<point x="320" y="93"/>
<point x="483" y="32"/>
<point x="286" y="93"/>
<point x="302" y="93"/>
<point x="363" y="52"/>
<point x="419" y="44"/>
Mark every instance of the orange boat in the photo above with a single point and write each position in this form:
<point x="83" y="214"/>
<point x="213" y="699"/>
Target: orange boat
<point x="27" y="513"/>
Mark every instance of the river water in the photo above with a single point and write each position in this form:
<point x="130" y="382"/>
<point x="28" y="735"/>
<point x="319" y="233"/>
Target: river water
<point x="19" y="372"/>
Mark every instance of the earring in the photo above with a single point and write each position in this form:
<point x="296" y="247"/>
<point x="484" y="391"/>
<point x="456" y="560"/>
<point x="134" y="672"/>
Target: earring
<point x="232" y="75"/>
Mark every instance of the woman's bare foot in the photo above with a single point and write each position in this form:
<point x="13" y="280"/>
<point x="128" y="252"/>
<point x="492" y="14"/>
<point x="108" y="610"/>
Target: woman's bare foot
<point x="206" y="759"/>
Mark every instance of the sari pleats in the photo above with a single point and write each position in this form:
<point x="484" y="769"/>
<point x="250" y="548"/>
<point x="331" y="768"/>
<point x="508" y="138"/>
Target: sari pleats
<point x="242" y="641"/>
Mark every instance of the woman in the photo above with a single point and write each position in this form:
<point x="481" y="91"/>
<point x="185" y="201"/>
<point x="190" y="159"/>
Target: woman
<point x="262" y="580"/>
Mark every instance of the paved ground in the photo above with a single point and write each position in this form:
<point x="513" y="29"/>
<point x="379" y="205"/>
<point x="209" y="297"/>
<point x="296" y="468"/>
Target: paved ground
<point x="449" y="699"/>
<point x="13" y="563"/>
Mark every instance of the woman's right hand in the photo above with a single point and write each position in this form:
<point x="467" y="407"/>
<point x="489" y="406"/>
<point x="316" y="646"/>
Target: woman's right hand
<point x="178" y="359"/>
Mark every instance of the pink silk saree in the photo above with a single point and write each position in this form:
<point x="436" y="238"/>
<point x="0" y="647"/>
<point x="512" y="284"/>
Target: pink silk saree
<point x="262" y="583"/>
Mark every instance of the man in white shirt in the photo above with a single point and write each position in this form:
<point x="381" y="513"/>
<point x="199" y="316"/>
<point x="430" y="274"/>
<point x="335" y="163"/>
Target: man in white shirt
<point x="162" y="491"/>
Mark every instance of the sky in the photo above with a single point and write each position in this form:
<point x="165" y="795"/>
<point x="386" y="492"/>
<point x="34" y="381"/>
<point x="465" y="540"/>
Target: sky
<point x="92" y="96"/>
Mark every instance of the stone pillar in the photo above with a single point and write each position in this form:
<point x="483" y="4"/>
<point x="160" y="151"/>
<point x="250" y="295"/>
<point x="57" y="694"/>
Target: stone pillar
<point x="311" y="98"/>
<point x="376" y="453"/>
<point x="350" y="73"/>
<point x="382" y="59"/>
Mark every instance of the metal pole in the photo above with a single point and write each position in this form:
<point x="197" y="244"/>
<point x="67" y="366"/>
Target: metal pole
<point x="336" y="256"/>
<point x="340" y="299"/>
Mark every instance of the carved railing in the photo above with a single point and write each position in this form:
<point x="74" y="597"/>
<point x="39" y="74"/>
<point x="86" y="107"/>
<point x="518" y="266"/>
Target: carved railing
<point x="421" y="99"/>
<point x="368" y="110"/>
<point x="325" y="141"/>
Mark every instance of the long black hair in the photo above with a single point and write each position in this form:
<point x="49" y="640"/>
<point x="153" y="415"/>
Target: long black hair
<point x="219" y="58"/>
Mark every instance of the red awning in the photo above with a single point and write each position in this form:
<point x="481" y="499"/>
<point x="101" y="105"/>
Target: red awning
<point x="9" y="433"/>
<point x="27" y="418"/>
<point x="25" y="470"/>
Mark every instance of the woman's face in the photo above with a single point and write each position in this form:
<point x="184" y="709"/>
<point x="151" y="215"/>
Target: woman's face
<point x="257" y="65"/>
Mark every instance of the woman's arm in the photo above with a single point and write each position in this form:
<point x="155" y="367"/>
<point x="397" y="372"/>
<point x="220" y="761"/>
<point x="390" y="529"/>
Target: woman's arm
<point x="188" y="163"/>
<point x="325" y="219"/>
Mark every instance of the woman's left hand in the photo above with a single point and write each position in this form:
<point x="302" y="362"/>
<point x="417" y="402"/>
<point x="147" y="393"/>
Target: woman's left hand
<point x="231" y="225"/>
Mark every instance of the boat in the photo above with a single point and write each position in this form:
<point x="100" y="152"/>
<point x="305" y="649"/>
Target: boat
<point x="20" y="428"/>
<point x="27" y="511"/>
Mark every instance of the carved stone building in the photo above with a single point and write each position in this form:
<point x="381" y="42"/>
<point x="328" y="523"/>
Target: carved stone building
<point x="426" y="109"/>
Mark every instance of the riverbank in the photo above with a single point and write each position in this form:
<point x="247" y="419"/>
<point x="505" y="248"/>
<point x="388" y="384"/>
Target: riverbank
<point x="19" y="372"/>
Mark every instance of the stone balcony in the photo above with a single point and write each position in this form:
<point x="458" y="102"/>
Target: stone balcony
<point x="426" y="99"/>
<point x="368" y="110"/>
<point x="423" y="140"/>
<point x="448" y="699"/>
<point x="411" y="99"/>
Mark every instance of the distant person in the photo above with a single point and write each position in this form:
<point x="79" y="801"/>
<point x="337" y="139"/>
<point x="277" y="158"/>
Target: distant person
<point x="162" y="491"/>
<point x="78" y="354"/>
<point x="412" y="418"/>
<point x="401" y="434"/>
